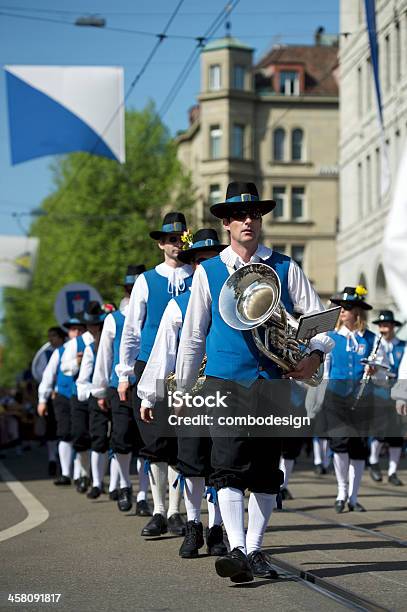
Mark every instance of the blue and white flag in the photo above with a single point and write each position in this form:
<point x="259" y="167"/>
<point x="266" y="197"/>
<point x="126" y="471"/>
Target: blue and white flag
<point x="60" y="109"/>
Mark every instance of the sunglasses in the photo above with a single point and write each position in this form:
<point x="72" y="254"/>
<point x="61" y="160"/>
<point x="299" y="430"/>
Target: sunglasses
<point x="241" y="215"/>
<point x="173" y="239"/>
<point x="348" y="307"/>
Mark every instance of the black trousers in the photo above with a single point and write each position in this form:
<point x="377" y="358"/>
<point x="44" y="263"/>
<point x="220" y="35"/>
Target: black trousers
<point x="291" y="447"/>
<point x="50" y="422"/>
<point x="343" y="420"/>
<point x="159" y="438"/>
<point x="62" y="409"/>
<point x="98" y="427"/>
<point x="80" y="413"/>
<point x="392" y="442"/>
<point x="194" y="456"/>
<point x="125" y="437"/>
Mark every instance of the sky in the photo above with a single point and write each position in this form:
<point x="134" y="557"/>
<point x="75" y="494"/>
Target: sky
<point x="42" y="32"/>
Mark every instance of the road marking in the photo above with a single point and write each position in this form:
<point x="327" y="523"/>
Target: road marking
<point x="37" y="513"/>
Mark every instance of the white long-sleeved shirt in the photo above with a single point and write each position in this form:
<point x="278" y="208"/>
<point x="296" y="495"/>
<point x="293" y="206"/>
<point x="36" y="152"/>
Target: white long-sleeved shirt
<point x="104" y="357"/>
<point x="69" y="363"/>
<point x="131" y="337"/>
<point x="48" y="380"/>
<point x="198" y="317"/>
<point x="163" y="357"/>
<point x="84" y="380"/>
<point x="399" y="391"/>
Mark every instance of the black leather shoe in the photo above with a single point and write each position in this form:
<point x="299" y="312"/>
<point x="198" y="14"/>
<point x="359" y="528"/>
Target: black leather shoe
<point x="285" y="494"/>
<point x="375" y="473"/>
<point x="82" y="484"/>
<point x="143" y="509"/>
<point x="114" y="495"/>
<point x="62" y="481"/>
<point x="261" y="565"/>
<point x="125" y="499"/>
<point x="176" y="524"/>
<point x="193" y="541"/>
<point x="356" y="507"/>
<point x="94" y="493"/>
<point x="395" y="480"/>
<point x="235" y="566"/>
<point x="339" y="506"/>
<point x="52" y="468"/>
<point x="215" y="545"/>
<point x="155" y="527"/>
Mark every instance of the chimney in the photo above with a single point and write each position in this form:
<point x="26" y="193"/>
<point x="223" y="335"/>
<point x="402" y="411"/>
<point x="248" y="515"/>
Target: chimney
<point x="318" y="35"/>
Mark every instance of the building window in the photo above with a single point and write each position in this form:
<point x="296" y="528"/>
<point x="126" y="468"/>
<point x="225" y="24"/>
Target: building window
<point x="279" y="196"/>
<point x="215" y="141"/>
<point x="296" y="144"/>
<point x="215" y="195"/>
<point x="360" y="92"/>
<point x="398" y="51"/>
<point x="238" y="77"/>
<point x="297" y="253"/>
<point x="378" y="175"/>
<point x="289" y="83"/>
<point x="278" y="144"/>
<point x="297" y="203"/>
<point x="360" y="190"/>
<point x="281" y="248"/>
<point x="368" y="183"/>
<point x="387" y="52"/>
<point x="238" y="141"/>
<point x="368" y="84"/>
<point x="214" y="77"/>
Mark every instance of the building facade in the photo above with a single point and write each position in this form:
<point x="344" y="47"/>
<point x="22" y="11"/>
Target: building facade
<point x="363" y="209"/>
<point x="274" y="123"/>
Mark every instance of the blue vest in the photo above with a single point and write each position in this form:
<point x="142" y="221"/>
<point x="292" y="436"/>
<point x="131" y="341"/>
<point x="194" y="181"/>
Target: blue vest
<point x="346" y="369"/>
<point x="182" y="301"/>
<point x="394" y="356"/>
<point x="119" y="319"/>
<point x="158" y="298"/>
<point x="232" y="354"/>
<point x="80" y="347"/>
<point x="63" y="383"/>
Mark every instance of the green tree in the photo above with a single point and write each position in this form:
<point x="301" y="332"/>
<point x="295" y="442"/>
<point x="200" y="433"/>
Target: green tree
<point x="95" y="223"/>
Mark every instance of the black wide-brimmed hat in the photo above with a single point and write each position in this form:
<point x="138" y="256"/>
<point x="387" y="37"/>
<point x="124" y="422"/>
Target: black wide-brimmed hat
<point x="240" y="196"/>
<point x="133" y="271"/>
<point x="204" y="240"/>
<point x="73" y="322"/>
<point x="174" y="223"/>
<point x="386" y="316"/>
<point x="352" y="296"/>
<point x="94" y="314"/>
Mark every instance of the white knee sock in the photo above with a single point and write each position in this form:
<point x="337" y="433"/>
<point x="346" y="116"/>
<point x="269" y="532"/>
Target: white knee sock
<point x="375" y="449"/>
<point x="65" y="457"/>
<point x="260" y="508"/>
<point x="114" y="478"/>
<point x="394" y="458"/>
<point x="214" y="515"/>
<point x="76" y="467"/>
<point x="326" y="458"/>
<point x="341" y="465"/>
<point x="316" y="445"/>
<point x="287" y="466"/>
<point x="142" y="480"/>
<point x="98" y="463"/>
<point x="123" y="461"/>
<point x="231" y="504"/>
<point x="356" y="467"/>
<point x="174" y="495"/>
<point x="52" y="450"/>
<point x="193" y="493"/>
<point x="158" y="482"/>
<point x="83" y="458"/>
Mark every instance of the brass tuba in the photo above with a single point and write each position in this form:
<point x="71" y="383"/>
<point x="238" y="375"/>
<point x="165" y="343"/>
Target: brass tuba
<point x="250" y="300"/>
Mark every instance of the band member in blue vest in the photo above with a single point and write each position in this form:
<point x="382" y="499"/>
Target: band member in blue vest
<point x="242" y="461"/>
<point x="125" y="438"/>
<point x="151" y="293"/>
<point x="45" y="408"/>
<point x="345" y="370"/>
<point x="399" y="391"/>
<point x="394" y="349"/>
<point x="193" y="462"/>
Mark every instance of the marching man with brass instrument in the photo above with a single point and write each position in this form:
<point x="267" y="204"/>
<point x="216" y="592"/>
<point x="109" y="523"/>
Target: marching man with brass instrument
<point x="241" y="461"/>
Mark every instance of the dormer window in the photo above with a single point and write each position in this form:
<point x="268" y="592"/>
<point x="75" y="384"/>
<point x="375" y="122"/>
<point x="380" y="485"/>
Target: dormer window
<point x="289" y="82"/>
<point x="214" y="77"/>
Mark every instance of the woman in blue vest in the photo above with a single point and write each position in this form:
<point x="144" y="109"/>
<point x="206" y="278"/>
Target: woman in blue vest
<point x="151" y="293"/>
<point x="384" y="405"/>
<point x="346" y="417"/>
<point x="193" y="460"/>
<point x="240" y="461"/>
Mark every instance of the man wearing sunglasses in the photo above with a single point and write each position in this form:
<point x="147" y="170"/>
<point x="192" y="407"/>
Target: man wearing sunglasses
<point x="240" y="461"/>
<point x="150" y="295"/>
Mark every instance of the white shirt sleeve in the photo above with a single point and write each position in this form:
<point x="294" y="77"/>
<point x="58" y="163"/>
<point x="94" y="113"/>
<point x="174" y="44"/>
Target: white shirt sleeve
<point x="83" y="382"/>
<point x="192" y="344"/>
<point x="161" y="362"/>
<point x="104" y="358"/>
<point x="399" y="391"/>
<point x="130" y="341"/>
<point x="48" y="378"/>
<point x="306" y="301"/>
<point x="69" y="364"/>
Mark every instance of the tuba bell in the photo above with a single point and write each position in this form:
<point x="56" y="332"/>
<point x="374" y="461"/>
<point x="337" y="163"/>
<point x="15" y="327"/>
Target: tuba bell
<point x="250" y="300"/>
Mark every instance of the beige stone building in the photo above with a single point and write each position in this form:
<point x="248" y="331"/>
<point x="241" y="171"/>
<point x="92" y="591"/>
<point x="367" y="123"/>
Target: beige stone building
<point x="274" y="123"/>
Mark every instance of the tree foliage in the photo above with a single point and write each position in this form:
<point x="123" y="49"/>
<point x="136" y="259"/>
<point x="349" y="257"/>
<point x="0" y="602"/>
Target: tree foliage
<point x="92" y="226"/>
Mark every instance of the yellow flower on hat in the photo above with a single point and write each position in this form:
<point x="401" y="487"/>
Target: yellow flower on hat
<point x="361" y="291"/>
<point x="188" y="239"/>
